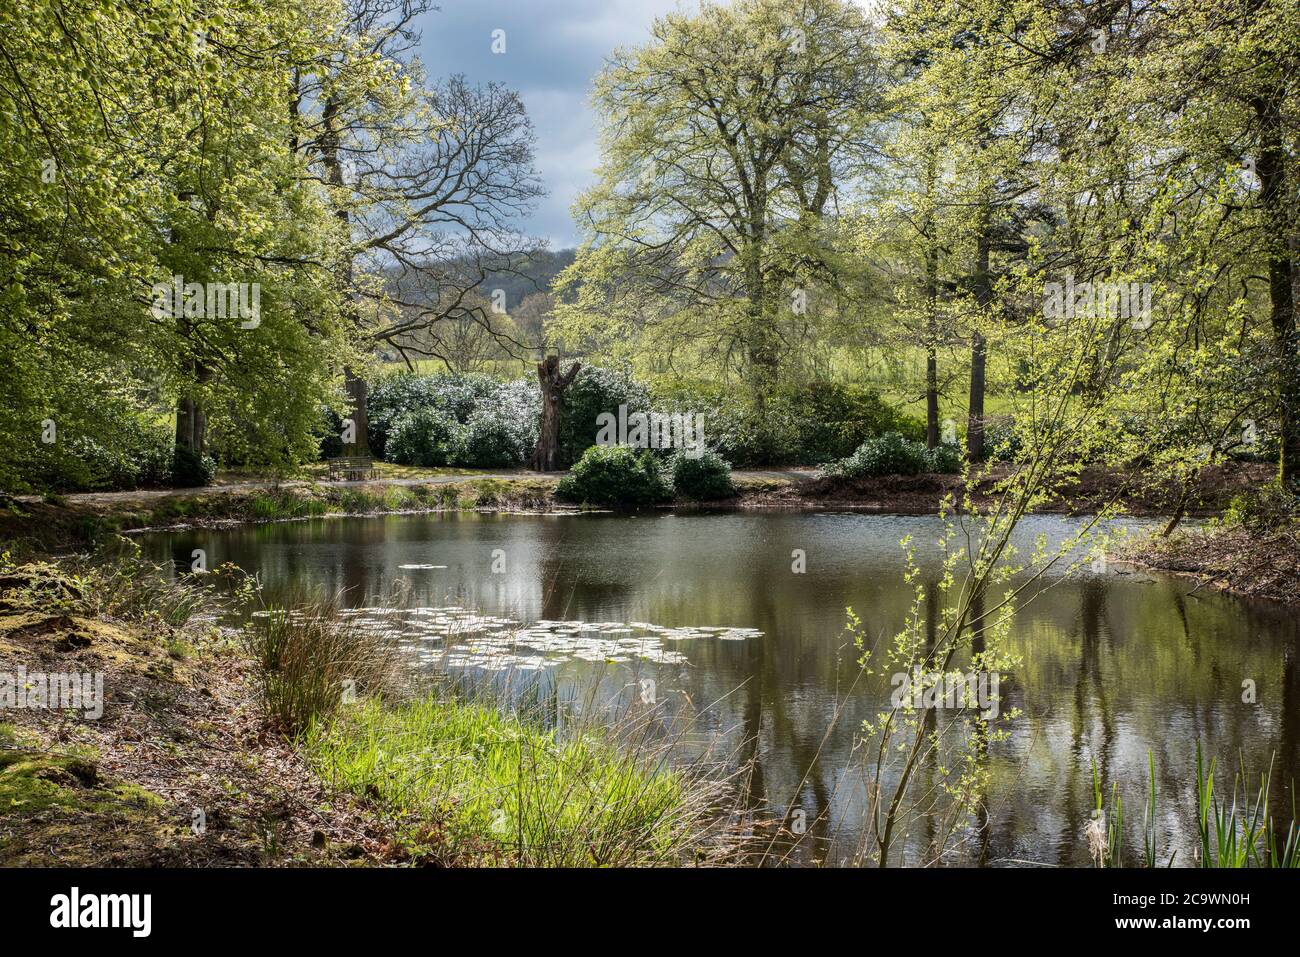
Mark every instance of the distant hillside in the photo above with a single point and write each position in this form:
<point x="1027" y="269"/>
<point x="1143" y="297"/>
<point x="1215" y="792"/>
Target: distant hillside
<point x="534" y="276"/>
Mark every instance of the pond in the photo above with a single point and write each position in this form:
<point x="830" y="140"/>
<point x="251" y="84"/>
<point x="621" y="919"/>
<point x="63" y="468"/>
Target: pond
<point x="710" y="608"/>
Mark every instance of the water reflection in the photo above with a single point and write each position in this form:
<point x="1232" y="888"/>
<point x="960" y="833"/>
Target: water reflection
<point x="1113" y="665"/>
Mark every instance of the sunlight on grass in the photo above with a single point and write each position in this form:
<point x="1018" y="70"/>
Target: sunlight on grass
<point x="493" y="779"/>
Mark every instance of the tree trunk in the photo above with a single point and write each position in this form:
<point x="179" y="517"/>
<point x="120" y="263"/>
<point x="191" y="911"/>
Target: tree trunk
<point x="358" y="392"/>
<point x="1180" y="509"/>
<point x="761" y="348"/>
<point x="191" y="421"/>
<point x="978" y="347"/>
<point x="1271" y="169"/>
<point x="975" y="417"/>
<point x="760" y="338"/>
<point x="191" y="426"/>
<point x="931" y="399"/>
<point x="355" y="385"/>
<point x="553" y="383"/>
<point x="931" y="356"/>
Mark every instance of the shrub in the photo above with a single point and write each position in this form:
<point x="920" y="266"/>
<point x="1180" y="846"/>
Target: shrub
<point x="706" y="477"/>
<point x="331" y="435"/>
<point x="944" y="458"/>
<point x="131" y="455"/>
<point x="834" y="419"/>
<point x="394" y="397"/>
<point x="426" y="437"/>
<point x="1001" y="441"/>
<point x="800" y="424"/>
<point x="743" y="434"/>
<point x="593" y="391"/>
<point x="472" y="400"/>
<point x="733" y="426"/>
<point x="116" y="581"/>
<point x="155" y="459"/>
<point x="1263" y="509"/>
<point x="514" y="410"/>
<point x="191" y="469"/>
<point x="615" y="475"/>
<point x="492" y="441"/>
<point x="460" y="395"/>
<point x="307" y="655"/>
<point x="887" y="454"/>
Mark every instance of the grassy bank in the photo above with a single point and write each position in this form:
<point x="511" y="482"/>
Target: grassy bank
<point x="495" y="786"/>
<point x="244" y="747"/>
<point x="57" y="522"/>
<point x="176" y="768"/>
<point x="1087" y="493"/>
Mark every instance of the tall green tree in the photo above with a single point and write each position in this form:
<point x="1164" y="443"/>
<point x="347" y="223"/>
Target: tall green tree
<point x="726" y="142"/>
<point x="142" y="141"/>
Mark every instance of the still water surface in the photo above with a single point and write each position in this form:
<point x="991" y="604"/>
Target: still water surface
<point x="1112" y="665"/>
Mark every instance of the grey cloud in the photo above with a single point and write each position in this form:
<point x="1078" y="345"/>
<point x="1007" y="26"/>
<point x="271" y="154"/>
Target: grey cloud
<point x="553" y="49"/>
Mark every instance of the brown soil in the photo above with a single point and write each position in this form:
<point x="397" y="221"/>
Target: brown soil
<point x="1258" y="563"/>
<point x="1095" y="488"/>
<point x="180" y="733"/>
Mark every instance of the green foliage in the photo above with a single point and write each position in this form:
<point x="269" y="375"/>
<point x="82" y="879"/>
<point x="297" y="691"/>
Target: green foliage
<point x="488" y="777"/>
<point x="944" y="458"/>
<point x="707" y="476"/>
<point x="143" y="142"/>
<point x="1001" y="442"/>
<point x="500" y="418"/>
<point x="191" y="469"/>
<point x="306" y="656"/>
<point x="127" y="454"/>
<point x="492" y="441"/>
<point x="595" y="391"/>
<point x="833" y="419"/>
<point x="750" y="115"/>
<point x="428" y="437"/>
<point x="805" y="424"/>
<point x="1264" y="508"/>
<point x="893" y="454"/>
<point x="749" y="436"/>
<point x="615" y="475"/>
<point x="502" y="430"/>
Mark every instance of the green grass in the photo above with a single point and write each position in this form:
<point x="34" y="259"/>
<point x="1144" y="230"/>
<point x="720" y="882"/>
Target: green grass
<point x="309" y="657"/>
<point x="469" y="778"/>
<point x="286" y="504"/>
<point x="391" y="470"/>
<point x="476" y="493"/>
<point x="498" y="787"/>
<point x="1239" y="836"/>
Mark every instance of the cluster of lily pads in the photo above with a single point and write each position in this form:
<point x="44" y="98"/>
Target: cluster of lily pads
<point x="455" y="637"/>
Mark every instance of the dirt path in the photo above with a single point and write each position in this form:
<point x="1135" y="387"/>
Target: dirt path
<point x="154" y="495"/>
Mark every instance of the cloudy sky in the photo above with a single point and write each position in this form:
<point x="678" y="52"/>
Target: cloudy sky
<point x="553" y="49"/>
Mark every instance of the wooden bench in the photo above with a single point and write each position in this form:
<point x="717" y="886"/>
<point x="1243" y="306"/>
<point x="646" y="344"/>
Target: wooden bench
<point x="356" y="468"/>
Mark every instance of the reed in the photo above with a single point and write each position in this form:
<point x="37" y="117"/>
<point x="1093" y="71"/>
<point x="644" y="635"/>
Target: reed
<point x="311" y="660"/>
<point x="1234" y="830"/>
